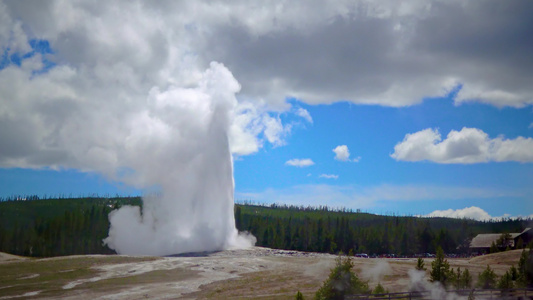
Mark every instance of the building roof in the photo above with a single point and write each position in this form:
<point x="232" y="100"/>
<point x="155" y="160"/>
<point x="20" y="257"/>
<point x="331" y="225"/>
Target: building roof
<point x="525" y="230"/>
<point x="485" y="240"/>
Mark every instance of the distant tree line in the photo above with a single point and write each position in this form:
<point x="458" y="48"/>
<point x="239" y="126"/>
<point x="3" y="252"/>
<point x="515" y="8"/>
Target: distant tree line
<point x="333" y="231"/>
<point x="55" y="227"/>
<point x="66" y="226"/>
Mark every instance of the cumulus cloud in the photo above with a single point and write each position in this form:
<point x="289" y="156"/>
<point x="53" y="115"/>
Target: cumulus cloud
<point x="342" y="153"/>
<point x="470" y="145"/>
<point x="472" y="212"/>
<point x="66" y="107"/>
<point x="329" y="176"/>
<point x="252" y="126"/>
<point x="301" y="163"/>
<point x="394" y="55"/>
<point x="119" y="96"/>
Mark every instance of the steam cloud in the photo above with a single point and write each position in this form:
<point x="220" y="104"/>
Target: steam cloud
<point x="190" y="161"/>
<point x="378" y="271"/>
<point x="419" y="283"/>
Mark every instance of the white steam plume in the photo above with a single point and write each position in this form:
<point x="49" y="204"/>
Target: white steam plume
<point x="378" y="271"/>
<point x="419" y="283"/>
<point x="190" y="161"/>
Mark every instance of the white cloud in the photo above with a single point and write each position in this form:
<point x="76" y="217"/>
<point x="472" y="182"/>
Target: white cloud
<point x="302" y="112"/>
<point x="329" y="176"/>
<point x="252" y="125"/>
<point x="301" y="163"/>
<point x="399" y="46"/>
<point x="275" y="131"/>
<point x="470" y="145"/>
<point x="343" y="154"/>
<point x="77" y="114"/>
<point x="496" y="97"/>
<point x="472" y="212"/>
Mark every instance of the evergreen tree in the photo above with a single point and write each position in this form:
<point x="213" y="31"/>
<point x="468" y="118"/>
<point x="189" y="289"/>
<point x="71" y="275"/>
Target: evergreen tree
<point x="519" y="243"/>
<point x="440" y="268"/>
<point x="525" y="269"/>
<point x="238" y="217"/>
<point x="288" y="235"/>
<point x="342" y="281"/>
<point x="379" y="289"/>
<point x="494" y="248"/>
<point x="487" y="279"/>
<point x="504" y="240"/>
<point x="420" y="264"/>
<point x="505" y="282"/>
<point x="464" y="281"/>
<point x="514" y="273"/>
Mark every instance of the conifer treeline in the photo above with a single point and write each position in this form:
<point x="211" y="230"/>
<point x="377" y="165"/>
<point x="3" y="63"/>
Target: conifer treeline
<point x="322" y="230"/>
<point x="55" y="227"/>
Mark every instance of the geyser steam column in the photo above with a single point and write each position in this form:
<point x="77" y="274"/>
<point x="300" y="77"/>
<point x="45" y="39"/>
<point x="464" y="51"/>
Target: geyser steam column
<point x="183" y="135"/>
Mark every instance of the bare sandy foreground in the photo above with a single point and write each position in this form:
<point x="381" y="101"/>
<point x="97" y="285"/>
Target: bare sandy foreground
<point x="253" y="273"/>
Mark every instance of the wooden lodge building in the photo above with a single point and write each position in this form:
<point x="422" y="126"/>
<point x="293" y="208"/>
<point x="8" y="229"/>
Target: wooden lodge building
<point x="482" y="242"/>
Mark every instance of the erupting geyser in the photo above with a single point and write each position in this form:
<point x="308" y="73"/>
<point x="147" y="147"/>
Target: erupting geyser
<point x="184" y="138"/>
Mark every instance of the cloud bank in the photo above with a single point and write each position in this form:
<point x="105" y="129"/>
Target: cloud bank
<point x="370" y="52"/>
<point x="376" y="52"/>
<point x="468" y="146"/>
<point x="472" y="212"/>
<point x="75" y="79"/>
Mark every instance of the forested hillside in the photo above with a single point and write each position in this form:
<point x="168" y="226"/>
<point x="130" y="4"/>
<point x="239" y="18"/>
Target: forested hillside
<point x="323" y="230"/>
<point x="54" y="227"/>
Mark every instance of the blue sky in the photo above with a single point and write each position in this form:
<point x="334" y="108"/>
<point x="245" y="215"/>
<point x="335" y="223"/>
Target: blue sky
<point x="371" y="132"/>
<point x="437" y="116"/>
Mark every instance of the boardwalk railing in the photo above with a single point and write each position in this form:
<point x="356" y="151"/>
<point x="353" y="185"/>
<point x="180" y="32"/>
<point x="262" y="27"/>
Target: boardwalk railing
<point x="478" y="294"/>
